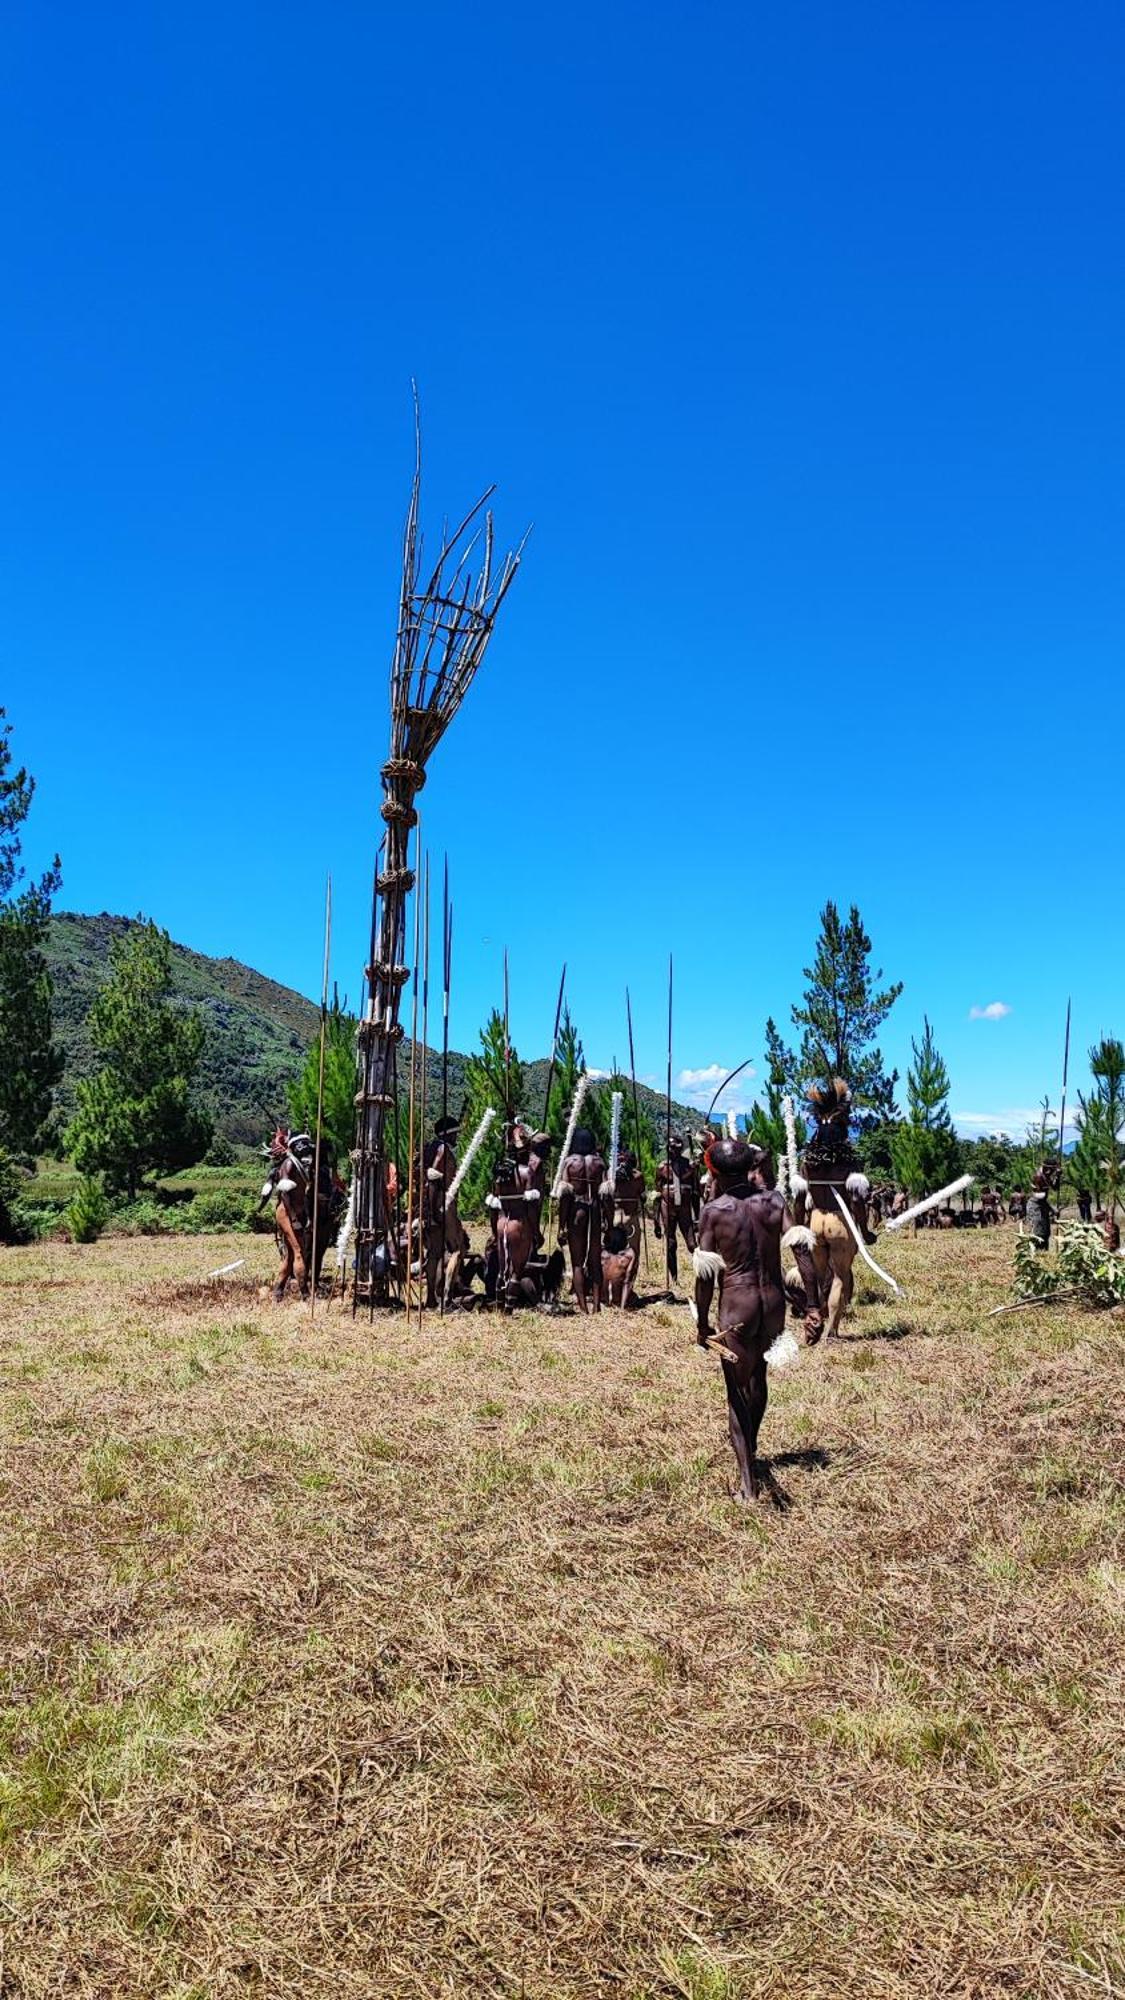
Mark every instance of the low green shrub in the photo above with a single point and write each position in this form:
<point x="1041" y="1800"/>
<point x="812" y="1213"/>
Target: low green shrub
<point x="143" y="1217"/>
<point x="88" y="1212"/>
<point x="218" y="1208"/>
<point x="14" y="1221"/>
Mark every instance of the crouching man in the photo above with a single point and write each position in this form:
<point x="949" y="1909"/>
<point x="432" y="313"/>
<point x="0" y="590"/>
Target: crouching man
<point x="740" y="1250"/>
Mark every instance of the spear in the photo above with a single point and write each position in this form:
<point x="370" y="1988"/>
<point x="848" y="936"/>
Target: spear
<point x="1062" y="1112"/>
<point x="507" y="1050"/>
<point x="422" y="1119"/>
<point x="554" y="1047"/>
<point x="636" y="1115"/>
<point x="724" y="1083"/>
<point x="668" y="1132"/>
<point x="446" y="970"/>
<point x="413" y="1090"/>
<point x="320" y="1088"/>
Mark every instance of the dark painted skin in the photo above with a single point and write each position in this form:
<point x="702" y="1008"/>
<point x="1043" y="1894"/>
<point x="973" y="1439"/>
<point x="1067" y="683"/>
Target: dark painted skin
<point x="744" y="1223"/>
<point x="622" y="1208"/>
<point x="580" y="1224"/>
<point x="672" y="1218"/>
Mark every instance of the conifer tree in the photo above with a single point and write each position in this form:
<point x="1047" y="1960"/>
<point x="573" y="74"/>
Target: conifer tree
<point x="840" y="1016"/>
<point x="135" y="1115"/>
<point x="925" y="1148"/>
<point x="338" y="1117"/>
<point x="1098" y="1160"/>
<point x="487" y="1077"/>
<point x="30" y="1062"/>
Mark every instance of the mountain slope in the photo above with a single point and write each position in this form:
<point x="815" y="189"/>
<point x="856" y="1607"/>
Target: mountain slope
<point x="257" y="1032"/>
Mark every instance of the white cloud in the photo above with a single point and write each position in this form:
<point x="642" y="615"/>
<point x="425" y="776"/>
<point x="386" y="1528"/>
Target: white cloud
<point x="698" y="1087"/>
<point x="1011" y="1122"/>
<point x="995" y="1011"/>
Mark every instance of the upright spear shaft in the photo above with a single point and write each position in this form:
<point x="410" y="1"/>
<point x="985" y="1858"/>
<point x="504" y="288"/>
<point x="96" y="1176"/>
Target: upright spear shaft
<point x="554" y="1047"/>
<point x="320" y="1089"/>
<point x="668" y="1137"/>
<point x="507" y="1050"/>
<point x="446" y="971"/>
<point x="413" y="1091"/>
<point x="422" y="1119"/>
<point x="1062" y="1110"/>
<point x="636" y="1115"/>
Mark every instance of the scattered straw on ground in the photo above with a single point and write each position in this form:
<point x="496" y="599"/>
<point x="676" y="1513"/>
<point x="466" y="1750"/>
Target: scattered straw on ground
<point x="346" y="1660"/>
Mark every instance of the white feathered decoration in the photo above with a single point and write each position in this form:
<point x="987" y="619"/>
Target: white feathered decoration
<point x="583" y="1086"/>
<point x="931" y="1201"/>
<point x="617" y="1101"/>
<point x="732" y="1124"/>
<point x="347" y="1228"/>
<point x="790" y="1139"/>
<point x="471" y="1151"/>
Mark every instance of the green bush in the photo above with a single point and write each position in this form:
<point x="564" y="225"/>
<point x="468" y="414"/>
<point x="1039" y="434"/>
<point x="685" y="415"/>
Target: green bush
<point x="88" y="1212"/>
<point x="218" y="1208"/>
<point x="14" y="1221"/>
<point x="143" y="1217"/>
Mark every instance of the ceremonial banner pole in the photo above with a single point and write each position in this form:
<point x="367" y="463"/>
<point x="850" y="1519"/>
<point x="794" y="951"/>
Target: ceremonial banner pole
<point x="320" y="1088"/>
<point x="636" y="1119"/>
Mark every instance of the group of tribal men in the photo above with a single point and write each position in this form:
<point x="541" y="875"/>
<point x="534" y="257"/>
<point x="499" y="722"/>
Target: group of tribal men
<point x="723" y="1204"/>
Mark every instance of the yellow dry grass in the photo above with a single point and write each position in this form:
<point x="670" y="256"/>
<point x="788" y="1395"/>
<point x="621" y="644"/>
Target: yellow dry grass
<point x="343" y="1661"/>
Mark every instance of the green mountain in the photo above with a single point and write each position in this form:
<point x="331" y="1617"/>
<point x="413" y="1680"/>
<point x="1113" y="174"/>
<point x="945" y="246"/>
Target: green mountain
<point x="257" y="1032"/>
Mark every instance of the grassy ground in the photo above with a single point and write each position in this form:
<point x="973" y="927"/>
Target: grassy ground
<point x="343" y="1661"/>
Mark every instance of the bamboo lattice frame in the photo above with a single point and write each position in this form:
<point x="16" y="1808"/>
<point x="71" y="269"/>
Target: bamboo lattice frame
<point x="444" y="627"/>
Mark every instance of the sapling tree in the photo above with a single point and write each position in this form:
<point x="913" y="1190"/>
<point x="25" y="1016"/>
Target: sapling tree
<point x="924" y="1148"/>
<point x="841" y="1013"/>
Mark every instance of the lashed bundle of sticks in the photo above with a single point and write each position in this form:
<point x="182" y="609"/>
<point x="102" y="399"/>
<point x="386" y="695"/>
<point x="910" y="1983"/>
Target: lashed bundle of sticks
<point x="444" y="628"/>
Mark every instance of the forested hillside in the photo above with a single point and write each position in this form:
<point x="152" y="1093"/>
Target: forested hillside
<point x="257" y="1031"/>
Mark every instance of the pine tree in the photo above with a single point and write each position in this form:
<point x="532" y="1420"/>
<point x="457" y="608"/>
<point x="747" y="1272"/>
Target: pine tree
<point x="570" y="1066"/>
<point x="1098" y="1160"/>
<point x="841" y="1015"/>
<point x="30" y="1063"/>
<point x="487" y="1079"/>
<point x="135" y="1114"/>
<point x="925" y="1149"/>
<point x="338" y="1115"/>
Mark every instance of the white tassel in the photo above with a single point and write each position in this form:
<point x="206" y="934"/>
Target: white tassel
<point x="583" y="1086"/>
<point x="797" y="1238"/>
<point x="707" y="1264"/>
<point x="286" y="1186"/>
<point x="347" y="1229"/>
<point x="790" y="1140"/>
<point x="732" y="1124"/>
<point x="784" y="1353"/>
<point x="861" y="1246"/>
<point x="931" y="1201"/>
<point x="858" y="1184"/>
<point x="615" y="1138"/>
<point x="471" y="1151"/>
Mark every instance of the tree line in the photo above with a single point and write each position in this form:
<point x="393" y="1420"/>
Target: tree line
<point x="137" y="1116"/>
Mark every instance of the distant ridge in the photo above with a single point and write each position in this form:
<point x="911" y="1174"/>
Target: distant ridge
<point x="257" y="1031"/>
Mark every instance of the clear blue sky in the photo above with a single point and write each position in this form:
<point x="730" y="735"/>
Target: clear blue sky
<point x="798" y="332"/>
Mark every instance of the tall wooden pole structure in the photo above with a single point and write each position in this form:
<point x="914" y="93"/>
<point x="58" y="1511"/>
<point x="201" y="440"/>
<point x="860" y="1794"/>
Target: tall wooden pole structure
<point x="444" y="626"/>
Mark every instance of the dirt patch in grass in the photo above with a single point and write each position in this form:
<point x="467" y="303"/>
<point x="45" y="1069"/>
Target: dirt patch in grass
<point x="343" y="1660"/>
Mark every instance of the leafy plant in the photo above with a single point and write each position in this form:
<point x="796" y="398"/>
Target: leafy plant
<point x="136" y="1114"/>
<point x="840" y="1016"/>
<point x="1081" y="1266"/>
<point x="88" y="1212"/>
<point x="924" y="1149"/>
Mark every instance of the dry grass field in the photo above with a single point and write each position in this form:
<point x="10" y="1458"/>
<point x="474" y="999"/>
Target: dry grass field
<point x="342" y="1660"/>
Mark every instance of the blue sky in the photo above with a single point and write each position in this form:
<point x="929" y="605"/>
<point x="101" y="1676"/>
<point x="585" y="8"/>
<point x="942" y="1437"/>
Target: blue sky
<point x="796" y="331"/>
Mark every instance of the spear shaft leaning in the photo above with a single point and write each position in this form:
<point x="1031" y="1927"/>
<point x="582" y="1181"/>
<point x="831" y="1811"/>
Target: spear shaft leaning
<point x="1062" y="1108"/>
